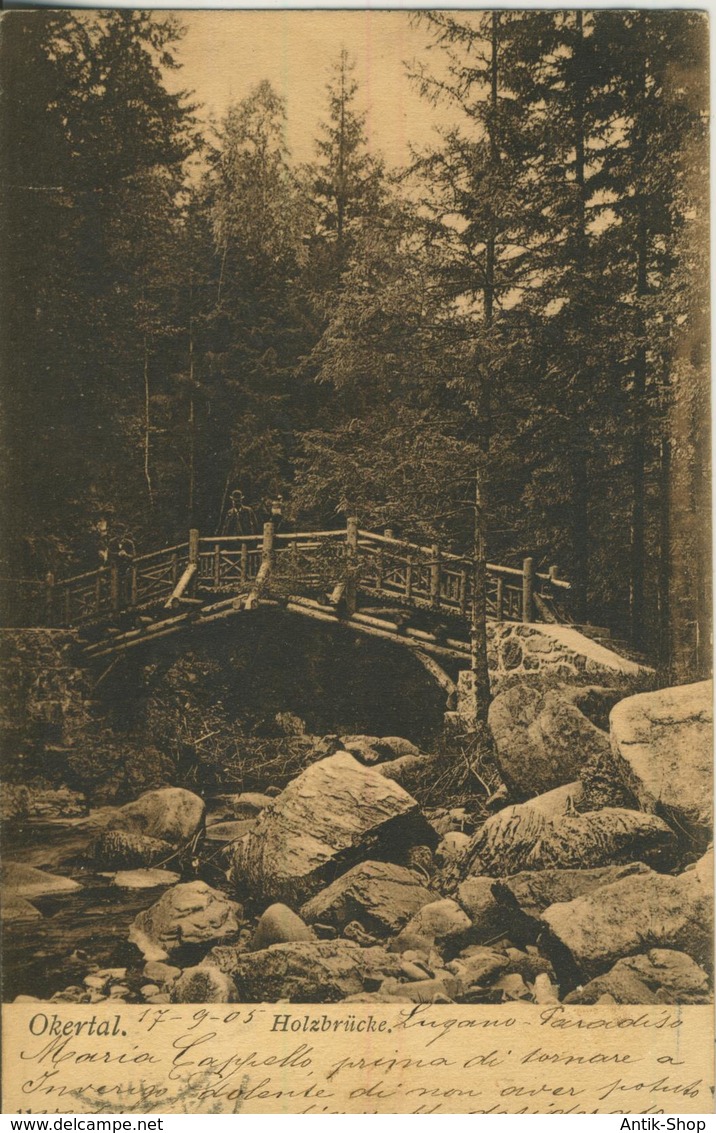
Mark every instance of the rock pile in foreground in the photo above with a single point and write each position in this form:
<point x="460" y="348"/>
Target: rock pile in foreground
<point x="341" y="888"/>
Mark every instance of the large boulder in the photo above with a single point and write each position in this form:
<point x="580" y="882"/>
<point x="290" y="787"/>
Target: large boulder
<point x="381" y="896"/>
<point x="524" y="897"/>
<point x="662" y="745"/>
<point x="170" y="814"/>
<point x="542" y="739"/>
<point x="324" y="971"/>
<point x="521" y="838"/>
<point x="659" y="976"/>
<point x="642" y="911"/>
<point x="336" y="813"/>
<point x="185" y="918"/>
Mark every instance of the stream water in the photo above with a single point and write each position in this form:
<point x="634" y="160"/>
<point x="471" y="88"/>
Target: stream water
<point x="79" y="929"/>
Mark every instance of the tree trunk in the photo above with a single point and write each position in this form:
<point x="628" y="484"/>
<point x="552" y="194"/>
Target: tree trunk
<point x="580" y="440"/>
<point x="147" y="425"/>
<point x="638" y="447"/>
<point x="478" y="608"/>
<point x="192" y="427"/>
<point x="665" y="644"/>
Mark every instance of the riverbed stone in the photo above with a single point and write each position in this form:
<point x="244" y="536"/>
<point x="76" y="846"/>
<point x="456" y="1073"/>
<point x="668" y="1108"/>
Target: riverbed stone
<point x="442" y="922"/>
<point x="18" y="909"/>
<point x="279" y="925"/>
<point x="401" y="770"/>
<point x="203" y="983"/>
<point x="381" y="896"/>
<point x="477" y="965"/>
<point x="128" y="851"/>
<point x="158" y="972"/>
<point x="185" y="917"/>
<point x="524" y="896"/>
<point x="590" y="934"/>
<point x="662" y="745"/>
<point x="143" y="878"/>
<point x="323" y="971"/>
<point x="542" y="739"/>
<point x="394" y="747"/>
<point x="171" y="814"/>
<point x="520" y="838"/>
<point x="560" y="801"/>
<point x="328" y="818"/>
<point x="362" y="749"/>
<point x="226" y="832"/>
<point x="487" y="915"/>
<point x="661" y="975"/>
<point x="19" y="880"/>
<point x="246" y="805"/>
<point x="451" y="847"/>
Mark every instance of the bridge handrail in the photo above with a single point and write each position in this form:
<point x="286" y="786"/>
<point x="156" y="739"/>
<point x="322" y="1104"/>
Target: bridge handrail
<point x="395" y="568"/>
<point x="493" y="568"/>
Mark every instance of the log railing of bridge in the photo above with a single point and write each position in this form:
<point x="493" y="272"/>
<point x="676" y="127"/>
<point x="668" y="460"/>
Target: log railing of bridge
<point x="343" y="562"/>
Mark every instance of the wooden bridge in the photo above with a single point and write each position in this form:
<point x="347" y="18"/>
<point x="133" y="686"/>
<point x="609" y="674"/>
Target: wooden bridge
<point x="376" y="584"/>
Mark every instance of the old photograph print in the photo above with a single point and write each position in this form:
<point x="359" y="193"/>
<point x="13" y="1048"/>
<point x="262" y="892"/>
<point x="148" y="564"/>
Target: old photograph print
<point x="356" y="578"/>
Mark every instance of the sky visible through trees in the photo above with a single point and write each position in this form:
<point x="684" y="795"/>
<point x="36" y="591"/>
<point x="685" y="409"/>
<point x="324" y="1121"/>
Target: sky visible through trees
<point x="444" y="271"/>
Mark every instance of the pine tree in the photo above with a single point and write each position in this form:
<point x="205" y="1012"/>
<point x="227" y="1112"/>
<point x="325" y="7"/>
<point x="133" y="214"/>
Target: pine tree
<point x="260" y="222"/>
<point x="346" y="180"/>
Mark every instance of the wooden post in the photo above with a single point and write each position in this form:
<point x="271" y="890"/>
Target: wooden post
<point x="244" y="561"/>
<point x="381" y="568"/>
<point x="175" y="569"/>
<point x="528" y="588"/>
<point x="217" y="565"/>
<point x="133" y="586"/>
<point x="388" y="532"/>
<point x="193" y="546"/>
<point x="49" y="596"/>
<point x="435" y="577"/>
<point x="194" y="557"/>
<point x="114" y="594"/>
<point x="499" y="598"/>
<point x="409" y="578"/>
<point x="463" y="592"/>
<point x="267" y="552"/>
<point x="351" y="596"/>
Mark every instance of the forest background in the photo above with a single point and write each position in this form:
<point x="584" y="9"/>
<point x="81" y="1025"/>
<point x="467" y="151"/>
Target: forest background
<point x="504" y="341"/>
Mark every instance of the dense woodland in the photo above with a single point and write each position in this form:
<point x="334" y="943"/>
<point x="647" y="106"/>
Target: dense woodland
<point x="506" y="343"/>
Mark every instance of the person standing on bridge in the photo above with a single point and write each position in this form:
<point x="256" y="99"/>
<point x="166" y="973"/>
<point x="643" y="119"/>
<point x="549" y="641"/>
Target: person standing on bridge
<point x="240" y="518"/>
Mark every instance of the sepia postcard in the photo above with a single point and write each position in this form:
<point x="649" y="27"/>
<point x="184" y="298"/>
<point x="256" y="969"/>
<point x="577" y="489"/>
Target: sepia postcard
<point x="357" y="724"/>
